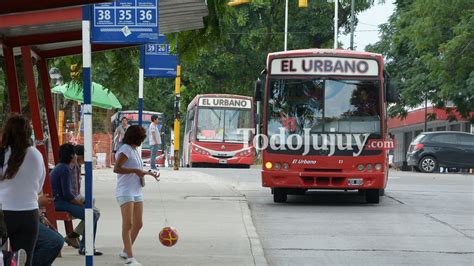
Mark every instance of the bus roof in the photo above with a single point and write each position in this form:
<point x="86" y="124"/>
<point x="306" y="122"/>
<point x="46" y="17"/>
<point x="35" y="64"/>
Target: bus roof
<point x="216" y="95"/>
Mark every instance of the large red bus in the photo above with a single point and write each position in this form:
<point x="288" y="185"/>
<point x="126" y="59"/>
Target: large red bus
<point x="132" y="117"/>
<point x="219" y="131"/>
<point x="333" y="102"/>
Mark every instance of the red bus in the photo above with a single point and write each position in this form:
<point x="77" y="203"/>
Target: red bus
<point x="219" y="131"/>
<point x="322" y="111"/>
<point x="132" y="117"/>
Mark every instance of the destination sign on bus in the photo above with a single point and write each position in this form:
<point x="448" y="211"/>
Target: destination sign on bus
<point x="328" y="66"/>
<point x="225" y="102"/>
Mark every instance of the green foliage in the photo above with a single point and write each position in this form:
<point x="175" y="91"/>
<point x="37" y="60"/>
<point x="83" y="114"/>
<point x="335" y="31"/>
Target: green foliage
<point x="428" y="47"/>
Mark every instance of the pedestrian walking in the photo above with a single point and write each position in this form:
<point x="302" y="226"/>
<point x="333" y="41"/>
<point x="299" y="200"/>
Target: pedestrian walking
<point x="120" y="133"/>
<point x="154" y="139"/>
<point x="130" y="180"/>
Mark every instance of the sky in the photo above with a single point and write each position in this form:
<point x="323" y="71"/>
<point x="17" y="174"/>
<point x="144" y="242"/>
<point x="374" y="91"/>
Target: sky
<point x="366" y="31"/>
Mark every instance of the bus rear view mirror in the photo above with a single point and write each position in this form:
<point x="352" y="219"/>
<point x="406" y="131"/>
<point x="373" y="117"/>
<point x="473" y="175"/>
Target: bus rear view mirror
<point x="392" y="94"/>
<point x="258" y="90"/>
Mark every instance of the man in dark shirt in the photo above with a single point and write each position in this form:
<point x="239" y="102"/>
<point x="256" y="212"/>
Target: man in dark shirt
<point x="64" y="198"/>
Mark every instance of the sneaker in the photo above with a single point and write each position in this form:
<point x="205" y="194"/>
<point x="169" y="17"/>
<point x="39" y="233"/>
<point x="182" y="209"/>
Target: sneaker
<point x="123" y="255"/>
<point x="73" y="242"/>
<point x="19" y="258"/>
<point x="132" y="262"/>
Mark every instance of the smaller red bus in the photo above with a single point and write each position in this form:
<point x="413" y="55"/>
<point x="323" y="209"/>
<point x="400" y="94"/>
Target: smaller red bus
<point x="219" y="131"/>
<point x="132" y="117"/>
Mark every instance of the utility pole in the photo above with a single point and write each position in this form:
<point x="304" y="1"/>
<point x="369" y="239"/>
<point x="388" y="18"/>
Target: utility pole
<point x="286" y="25"/>
<point x="336" y="9"/>
<point x="425" y="128"/>
<point x="176" y="118"/>
<point x="352" y="23"/>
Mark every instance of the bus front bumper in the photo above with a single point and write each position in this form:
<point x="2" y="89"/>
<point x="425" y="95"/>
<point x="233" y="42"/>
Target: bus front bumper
<point x="323" y="180"/>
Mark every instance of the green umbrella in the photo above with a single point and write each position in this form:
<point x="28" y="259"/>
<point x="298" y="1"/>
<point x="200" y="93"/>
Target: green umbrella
<point x="101" y="97"/>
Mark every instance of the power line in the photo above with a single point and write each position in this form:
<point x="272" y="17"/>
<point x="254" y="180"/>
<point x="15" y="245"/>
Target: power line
<point x="292" y="32"/>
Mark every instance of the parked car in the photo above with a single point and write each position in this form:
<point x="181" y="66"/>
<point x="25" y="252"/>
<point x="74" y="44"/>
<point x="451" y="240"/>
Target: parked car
<point x="430" y="150"/>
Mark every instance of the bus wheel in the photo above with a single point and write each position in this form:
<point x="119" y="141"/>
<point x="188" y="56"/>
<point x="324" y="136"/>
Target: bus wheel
<point x="372" y="195"/>
<point x="279" y="195"/>
<point x="361" y="192"/>
<point x="382" y="192"/>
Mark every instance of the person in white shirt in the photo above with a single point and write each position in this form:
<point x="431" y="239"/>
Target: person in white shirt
<point x="154" y="139"/>
<point x="22" y="176"/>
<point x="130" y="180"/>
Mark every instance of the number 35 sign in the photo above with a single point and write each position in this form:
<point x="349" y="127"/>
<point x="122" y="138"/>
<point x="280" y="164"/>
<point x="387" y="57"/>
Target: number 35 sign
<point x="125" y="21"/>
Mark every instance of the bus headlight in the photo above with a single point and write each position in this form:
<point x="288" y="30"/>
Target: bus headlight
<point x="244" y="153"/>
<point x="268" y="165"/>
<point x="360" y="167"/>
<point x="378" y="166"/>
<point x="277" y="165"/>
<point x="286" y="166"/>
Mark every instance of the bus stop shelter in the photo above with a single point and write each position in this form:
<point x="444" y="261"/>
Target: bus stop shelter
<point x="40" y="30"/>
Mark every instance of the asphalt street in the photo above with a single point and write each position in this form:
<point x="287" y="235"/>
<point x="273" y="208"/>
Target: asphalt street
<point x="424" y="219"/>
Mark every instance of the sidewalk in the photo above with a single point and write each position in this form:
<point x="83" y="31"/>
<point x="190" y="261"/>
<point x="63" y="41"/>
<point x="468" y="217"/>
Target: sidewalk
<point x="213" y="223"/>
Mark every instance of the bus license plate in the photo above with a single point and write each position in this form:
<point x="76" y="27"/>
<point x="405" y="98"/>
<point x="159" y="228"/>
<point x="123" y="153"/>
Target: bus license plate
<point x="223" y="161"/>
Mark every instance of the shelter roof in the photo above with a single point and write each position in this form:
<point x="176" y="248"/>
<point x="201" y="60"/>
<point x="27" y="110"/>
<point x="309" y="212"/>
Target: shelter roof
<point x="54" y="28"/>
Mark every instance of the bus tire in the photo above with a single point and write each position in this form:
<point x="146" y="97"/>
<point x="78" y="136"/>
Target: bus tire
<point x="279" y="195"/>
<point x="382" y="192"/>
<point x="372" y="195"/>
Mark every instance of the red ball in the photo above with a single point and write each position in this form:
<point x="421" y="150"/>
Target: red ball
<point x="168" y="236"/>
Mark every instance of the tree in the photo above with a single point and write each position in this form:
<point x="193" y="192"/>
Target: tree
<point x="428" y="49"/>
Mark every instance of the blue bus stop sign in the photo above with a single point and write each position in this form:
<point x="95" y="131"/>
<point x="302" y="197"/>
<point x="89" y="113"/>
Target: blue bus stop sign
<point x="125" y="21"/>
<point x="158" y="63"/>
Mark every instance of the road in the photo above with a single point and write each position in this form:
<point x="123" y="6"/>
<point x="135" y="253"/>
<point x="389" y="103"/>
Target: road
<point x="425" y="219"/>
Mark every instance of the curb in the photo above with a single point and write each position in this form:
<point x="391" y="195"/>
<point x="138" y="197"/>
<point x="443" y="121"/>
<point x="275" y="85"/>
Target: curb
<point x="254" y="240"/>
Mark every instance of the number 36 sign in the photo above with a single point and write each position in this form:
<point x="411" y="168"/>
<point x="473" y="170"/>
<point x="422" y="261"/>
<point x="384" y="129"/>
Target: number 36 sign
<point x="125" y="21"/>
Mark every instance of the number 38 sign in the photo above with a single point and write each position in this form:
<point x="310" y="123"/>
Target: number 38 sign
<point x="125" y="21"/>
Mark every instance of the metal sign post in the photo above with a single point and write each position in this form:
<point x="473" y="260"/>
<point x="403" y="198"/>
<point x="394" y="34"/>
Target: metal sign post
<point x="87" y="108"/>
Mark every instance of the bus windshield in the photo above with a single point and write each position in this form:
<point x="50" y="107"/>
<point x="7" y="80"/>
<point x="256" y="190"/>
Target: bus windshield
<point x="223" y="125"/>
<point x="324" y="106"/>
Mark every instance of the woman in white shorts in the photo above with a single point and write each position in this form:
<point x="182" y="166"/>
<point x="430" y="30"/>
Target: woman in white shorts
<point x="130" y="180"/>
